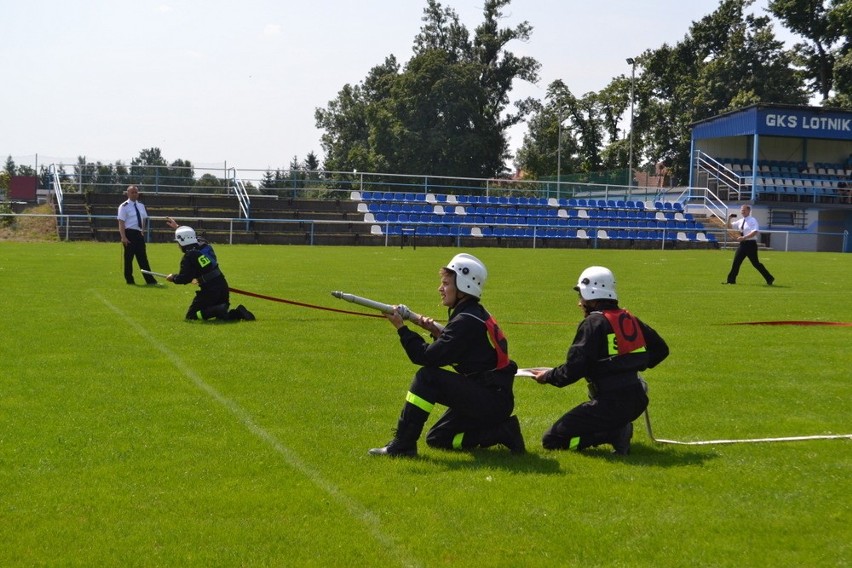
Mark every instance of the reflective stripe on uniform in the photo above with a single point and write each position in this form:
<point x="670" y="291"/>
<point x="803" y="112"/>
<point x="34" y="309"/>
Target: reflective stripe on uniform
<point x="420" y="403"/>
<point x="612" y="346"/>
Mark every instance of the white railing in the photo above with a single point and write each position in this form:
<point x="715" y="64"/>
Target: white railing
<point x="241" y="193"/>
<point x="736" y="185"/>
<point x="57" y="186"/>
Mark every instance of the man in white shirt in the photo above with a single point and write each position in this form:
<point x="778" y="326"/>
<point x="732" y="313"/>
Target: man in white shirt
<point x="131" y="227"/>
<point x="749" y="230"/>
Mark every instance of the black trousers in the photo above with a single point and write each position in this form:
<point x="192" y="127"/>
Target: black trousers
<point x="136" y="248"/>
<point x="473" y="410"/>
<point x="747" y="250"/>
<point x="210" y="302"/>
<point x="597" y="421"/>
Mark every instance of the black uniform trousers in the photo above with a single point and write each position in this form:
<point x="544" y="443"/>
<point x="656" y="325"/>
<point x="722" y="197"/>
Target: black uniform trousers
<point x="136" y="248"/>
<point x="211" y="301"/>
<point x="598" y="420"/>
<point x="473" y="409"/>
<point x="747" y="250"/>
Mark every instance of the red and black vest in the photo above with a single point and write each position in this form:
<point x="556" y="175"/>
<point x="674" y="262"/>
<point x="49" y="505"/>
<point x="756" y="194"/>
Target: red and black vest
<point x="626" y="336"/>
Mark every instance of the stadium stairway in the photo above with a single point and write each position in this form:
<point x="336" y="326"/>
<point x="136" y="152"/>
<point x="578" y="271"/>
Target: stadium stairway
<point x="78" y="226"/>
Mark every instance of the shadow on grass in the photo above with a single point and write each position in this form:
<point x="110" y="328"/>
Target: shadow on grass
<point x="548" y="462"/>
<point x="654" y="456"/>
<point x="493" y="459"/>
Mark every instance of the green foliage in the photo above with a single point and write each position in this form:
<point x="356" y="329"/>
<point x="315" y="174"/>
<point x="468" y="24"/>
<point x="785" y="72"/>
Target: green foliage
<point x="9" y="169"/>
<point x="129" y="437"/>
<point x="444" y="113"/>
<point x="210" y="182"/>
<point x="822" y="27"/>
<point x="727" y="60"/>
<point x="6" y="209"/>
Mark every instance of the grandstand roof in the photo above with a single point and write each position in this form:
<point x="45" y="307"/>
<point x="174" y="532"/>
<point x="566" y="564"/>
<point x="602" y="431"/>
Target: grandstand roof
<point x="777" y="120"/>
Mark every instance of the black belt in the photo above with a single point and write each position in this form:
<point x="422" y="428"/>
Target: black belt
<point x="215" y="273"/>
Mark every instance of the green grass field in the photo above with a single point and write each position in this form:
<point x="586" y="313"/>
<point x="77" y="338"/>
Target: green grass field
<point x="129" y="437"/>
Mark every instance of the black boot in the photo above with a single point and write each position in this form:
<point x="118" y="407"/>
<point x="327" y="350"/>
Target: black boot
<point x="245" y="314"/>
<point x="621" y="440"/>
<point x="241" y="313"/>
<point x="404" y="443"/>
<point x="508" y="434"/>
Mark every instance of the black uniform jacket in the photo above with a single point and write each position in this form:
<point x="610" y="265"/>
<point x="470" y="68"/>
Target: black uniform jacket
<point x="464" y="344"/>
<point x="589" y="357"/>
<point x="199" y="263"/>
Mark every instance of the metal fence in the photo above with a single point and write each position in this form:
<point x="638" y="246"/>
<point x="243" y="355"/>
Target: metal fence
<point x="322" y="184"/>
<point x="779" y="240"/>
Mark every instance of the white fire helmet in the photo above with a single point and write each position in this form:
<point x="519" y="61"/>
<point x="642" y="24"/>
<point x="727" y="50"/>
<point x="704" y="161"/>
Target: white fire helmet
<point x="185" y="236"/>
<point x="597" y="283"/>
<point x="470" y="274"/>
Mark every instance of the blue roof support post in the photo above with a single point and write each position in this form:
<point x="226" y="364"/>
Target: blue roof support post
<point x="694" y="167"/>
<point x="754" y="153"/>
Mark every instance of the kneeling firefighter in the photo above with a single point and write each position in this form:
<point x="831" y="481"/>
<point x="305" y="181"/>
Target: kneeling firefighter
<point x="610" y="347"/>
<point x="478" y="395"/>
<point x="199" y="264"/>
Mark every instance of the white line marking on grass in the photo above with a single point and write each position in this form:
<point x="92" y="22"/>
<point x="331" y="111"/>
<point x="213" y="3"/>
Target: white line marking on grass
<point x="356" y="510"/>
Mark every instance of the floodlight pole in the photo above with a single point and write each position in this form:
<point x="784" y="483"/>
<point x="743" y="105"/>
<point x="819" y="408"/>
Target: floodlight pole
<point x="559" y="111"/>
<point x="631" y="62"/>
<point x="559" y="156"/>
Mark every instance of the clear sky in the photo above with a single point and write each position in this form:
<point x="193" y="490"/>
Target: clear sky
<point x="215" y="82"/>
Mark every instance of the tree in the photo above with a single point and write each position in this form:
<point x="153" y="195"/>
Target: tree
<point x="312" y="163"/>
<point x="10" y="167"/>
<point x="86" y="174"/>
<point x="590" y="132"/>
<point x="821" y="28"/>
<point x="180" y="173"/>
<point x="346" y="133"/>
<point x="211" y="182"/>
<point x="728" y="60"/>
<point x="445" y="113"/>
<point x="145" y="169"/>
<point x="840" y="19"/>
<point x="7" y="173"/>
<point x="297" y="173"/>
<point x="268" y="181"/>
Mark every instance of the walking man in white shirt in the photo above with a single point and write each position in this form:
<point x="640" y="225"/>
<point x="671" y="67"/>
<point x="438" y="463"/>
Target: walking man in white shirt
<point x="131" y="226"/>
<point x="749" y="230"/>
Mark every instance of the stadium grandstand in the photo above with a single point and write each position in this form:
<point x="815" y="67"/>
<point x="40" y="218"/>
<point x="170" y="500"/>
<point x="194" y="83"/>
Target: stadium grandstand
<point x="792" y="164"/>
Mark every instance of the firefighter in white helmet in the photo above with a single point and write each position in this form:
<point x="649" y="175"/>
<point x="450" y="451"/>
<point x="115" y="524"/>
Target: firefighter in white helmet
<point x="199" y="265"/>
<point x="478" y="392"/>
<point x="610" y="347"/>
